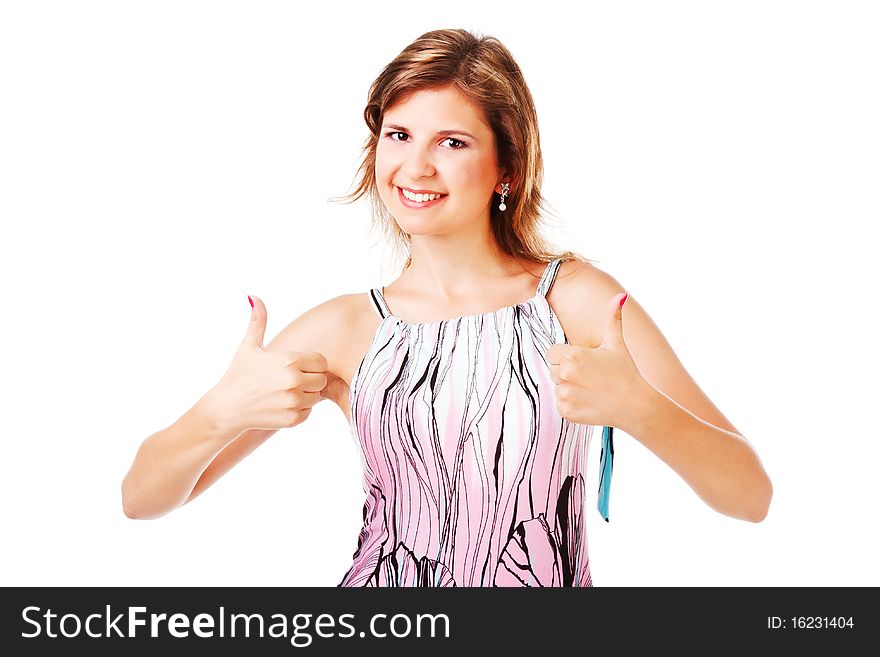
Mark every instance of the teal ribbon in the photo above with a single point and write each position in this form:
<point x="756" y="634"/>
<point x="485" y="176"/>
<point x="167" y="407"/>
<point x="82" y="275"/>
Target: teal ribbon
<point x="606" y="463"/>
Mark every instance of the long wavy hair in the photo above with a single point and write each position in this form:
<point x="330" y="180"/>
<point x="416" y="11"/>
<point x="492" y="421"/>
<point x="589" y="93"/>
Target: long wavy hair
<point x="484" y="71"/>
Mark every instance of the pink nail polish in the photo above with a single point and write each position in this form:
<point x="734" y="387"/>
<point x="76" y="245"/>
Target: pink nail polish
<point x="251" y="300"/>
<point x="623" y="300"/>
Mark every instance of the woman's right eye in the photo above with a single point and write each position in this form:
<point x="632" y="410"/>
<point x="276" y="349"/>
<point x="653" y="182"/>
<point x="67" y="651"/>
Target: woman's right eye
<point x="391" y="134"/>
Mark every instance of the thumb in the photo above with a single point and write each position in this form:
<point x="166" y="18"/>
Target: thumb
<point x="614" y="322"/>
<point x="256" y="330"/>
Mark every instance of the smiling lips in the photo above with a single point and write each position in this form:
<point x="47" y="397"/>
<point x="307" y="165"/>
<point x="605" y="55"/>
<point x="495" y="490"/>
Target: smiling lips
<point x="419" y="199"/>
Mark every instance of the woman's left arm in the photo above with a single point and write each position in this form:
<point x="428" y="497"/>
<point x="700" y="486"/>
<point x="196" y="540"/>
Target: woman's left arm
<point x="640" y="386"/>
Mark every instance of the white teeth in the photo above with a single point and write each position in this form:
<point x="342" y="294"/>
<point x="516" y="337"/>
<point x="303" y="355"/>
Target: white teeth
<point x="419" y="198"/>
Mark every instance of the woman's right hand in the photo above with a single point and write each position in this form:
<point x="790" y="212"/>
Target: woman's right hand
<point x="266" y="390"/>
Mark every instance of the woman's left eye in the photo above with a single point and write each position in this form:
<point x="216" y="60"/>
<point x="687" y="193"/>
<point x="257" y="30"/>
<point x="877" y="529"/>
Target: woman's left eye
<point x="460" y="143"/>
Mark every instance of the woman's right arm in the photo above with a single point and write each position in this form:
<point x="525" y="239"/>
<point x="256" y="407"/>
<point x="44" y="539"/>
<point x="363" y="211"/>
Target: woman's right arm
<point x="262" y="391"/>
<point x="170" y="463"/>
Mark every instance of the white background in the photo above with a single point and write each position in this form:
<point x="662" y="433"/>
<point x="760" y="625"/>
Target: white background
<point x="160" y="161"/>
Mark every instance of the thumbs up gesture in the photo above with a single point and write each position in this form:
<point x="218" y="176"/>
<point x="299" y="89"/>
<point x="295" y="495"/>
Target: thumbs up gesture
<point x="597" y="386"/>
<point x="267" y="390"/>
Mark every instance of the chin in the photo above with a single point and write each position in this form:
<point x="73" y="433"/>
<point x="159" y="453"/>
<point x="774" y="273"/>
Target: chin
<point x="415" y="228"/>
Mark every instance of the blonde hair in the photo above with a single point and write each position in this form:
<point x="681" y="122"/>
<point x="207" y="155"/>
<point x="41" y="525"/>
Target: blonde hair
<point x="483" y="70"/>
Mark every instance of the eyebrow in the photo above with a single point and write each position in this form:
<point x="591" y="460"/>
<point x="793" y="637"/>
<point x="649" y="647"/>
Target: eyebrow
<point x="442" y="133"/>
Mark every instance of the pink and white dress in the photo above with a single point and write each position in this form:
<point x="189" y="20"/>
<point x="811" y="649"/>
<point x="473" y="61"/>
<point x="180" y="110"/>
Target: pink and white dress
<point x="471" y="475"/>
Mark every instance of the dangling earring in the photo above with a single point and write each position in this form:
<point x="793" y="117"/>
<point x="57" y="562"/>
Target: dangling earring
<point x="505" y="187"/>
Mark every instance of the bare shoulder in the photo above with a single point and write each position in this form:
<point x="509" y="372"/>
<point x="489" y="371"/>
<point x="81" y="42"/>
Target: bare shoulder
<point x="340" y="329"/>
<point x="328" y="328"/>
<point x="313" y="330"/>
<point x="579" y="297"/>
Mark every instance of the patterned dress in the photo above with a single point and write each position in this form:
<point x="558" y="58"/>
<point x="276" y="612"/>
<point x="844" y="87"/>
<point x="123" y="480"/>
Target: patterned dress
<point x="471" y="475"/>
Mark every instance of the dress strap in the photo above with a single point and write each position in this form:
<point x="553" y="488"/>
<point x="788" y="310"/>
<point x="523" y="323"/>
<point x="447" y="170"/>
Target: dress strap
<point x="548" y="277"/>
<point x="379" y="302"/>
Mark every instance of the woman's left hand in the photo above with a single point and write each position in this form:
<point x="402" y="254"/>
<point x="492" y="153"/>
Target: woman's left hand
<point x="599" y="386"/>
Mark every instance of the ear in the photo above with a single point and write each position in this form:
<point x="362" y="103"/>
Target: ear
<point x="505" y="176"/>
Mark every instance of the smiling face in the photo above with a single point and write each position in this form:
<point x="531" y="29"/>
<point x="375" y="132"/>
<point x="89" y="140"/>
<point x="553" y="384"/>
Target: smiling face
<point x="435" y="142"/>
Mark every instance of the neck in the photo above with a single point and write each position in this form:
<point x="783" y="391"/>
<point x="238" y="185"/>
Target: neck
<point x="457" y="266"/>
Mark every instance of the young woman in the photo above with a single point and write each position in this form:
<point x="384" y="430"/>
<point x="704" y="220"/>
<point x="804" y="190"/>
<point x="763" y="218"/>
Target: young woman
<point x="472" y="382"/>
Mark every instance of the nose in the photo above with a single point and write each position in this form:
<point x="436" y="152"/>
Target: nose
<point x="418" y="162"/>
